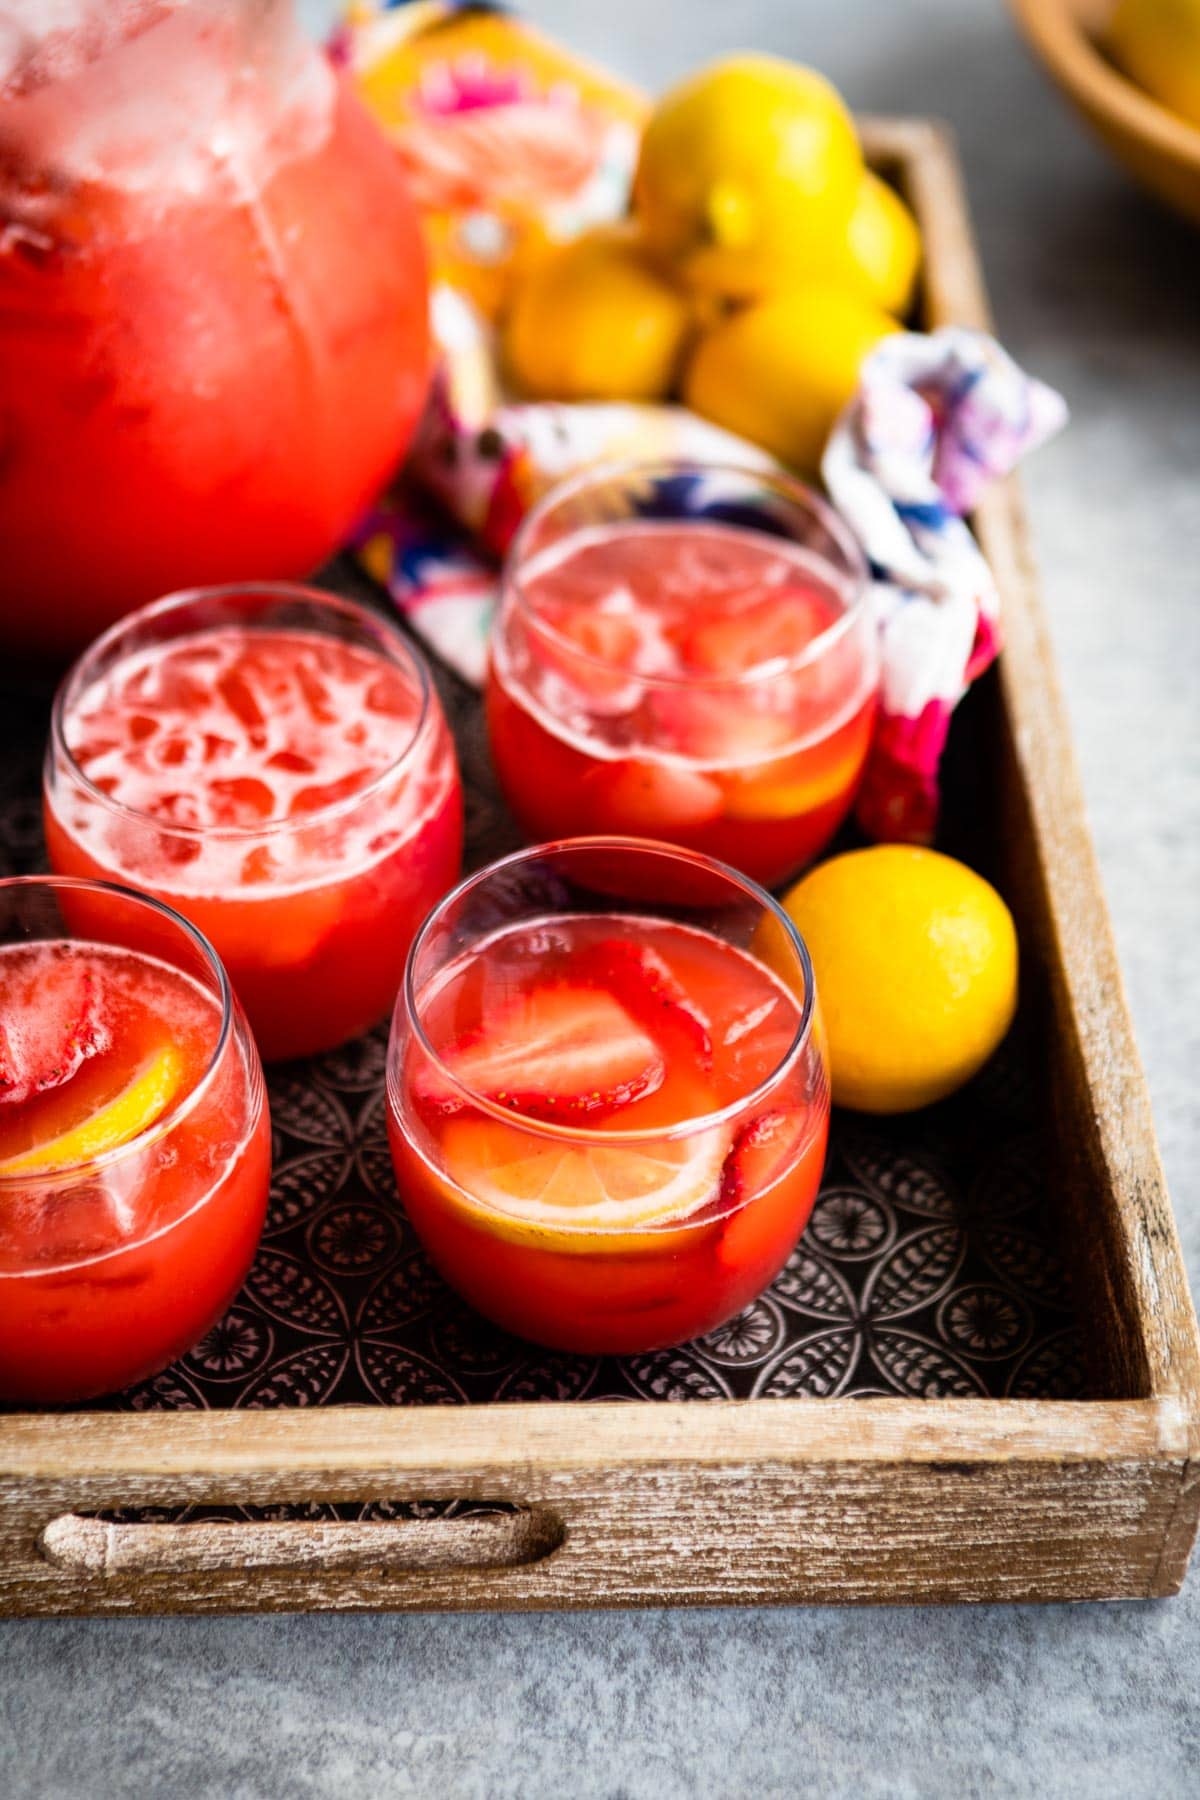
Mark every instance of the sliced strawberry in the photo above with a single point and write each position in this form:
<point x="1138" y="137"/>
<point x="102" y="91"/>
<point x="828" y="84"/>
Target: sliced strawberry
<point x="316" y="795"/>
<point x="642" y="981"/>
<point x="764" y="1146"/>
<point x="563" y="1052"/>
<point x="609" y="644"/>
<point x="733" y="639"/>
<point x="49" y="1025"/>
<point x="610" y="638"/>
<point x="775" y="1165"/>
<point x="642" y="796"/>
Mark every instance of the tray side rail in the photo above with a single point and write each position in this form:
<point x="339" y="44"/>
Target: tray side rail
<point x="1125" y="1260"/>
<point x="737" y="1502"/>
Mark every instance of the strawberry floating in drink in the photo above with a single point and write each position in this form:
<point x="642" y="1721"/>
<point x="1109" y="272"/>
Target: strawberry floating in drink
<point x="559" y="1050"/>
<point x="608" y="1122"/>
<point x="645" y="982"/>
<point x="684" y="654"/>
<point x="50" y="1025"/>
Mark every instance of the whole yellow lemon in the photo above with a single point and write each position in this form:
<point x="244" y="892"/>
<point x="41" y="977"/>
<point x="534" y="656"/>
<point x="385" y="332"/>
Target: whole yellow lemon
<point x="1157" y="43"/>
<point x="779" y="372"/>
<point x="883" y="246"/>
<point x="747" y="168"/>
<point x="875" y="254"/>
<point x="915" y="959"/>
<point x="594" y="319"/>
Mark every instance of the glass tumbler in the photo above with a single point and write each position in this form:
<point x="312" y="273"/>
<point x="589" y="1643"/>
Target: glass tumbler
<point x="132" y="1192"/>
<point x="608" y="1112"/>
<point x="272" y="761"/>
<point x="684" y="652"/>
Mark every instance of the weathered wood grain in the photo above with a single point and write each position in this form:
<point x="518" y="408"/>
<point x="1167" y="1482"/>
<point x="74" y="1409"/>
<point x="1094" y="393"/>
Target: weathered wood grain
<point x="88" y="1546"/>
<point x="742" y="1501"/>
<point x="756" y="1501"/>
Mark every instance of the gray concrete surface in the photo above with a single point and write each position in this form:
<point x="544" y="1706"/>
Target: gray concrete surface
<point x="1097" y="291"/>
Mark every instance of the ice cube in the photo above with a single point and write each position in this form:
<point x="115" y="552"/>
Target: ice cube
<point x="241" y="800"/>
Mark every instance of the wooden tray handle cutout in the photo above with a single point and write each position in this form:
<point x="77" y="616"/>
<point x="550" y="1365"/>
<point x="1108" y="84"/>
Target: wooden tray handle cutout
<point x="92" y="1546"/>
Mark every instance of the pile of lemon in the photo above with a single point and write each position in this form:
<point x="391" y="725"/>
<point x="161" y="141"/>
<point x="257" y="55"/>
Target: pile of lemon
<point x="762" y="261"/>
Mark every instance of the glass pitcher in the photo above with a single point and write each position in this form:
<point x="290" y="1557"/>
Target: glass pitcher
<point x="213" y="306"/>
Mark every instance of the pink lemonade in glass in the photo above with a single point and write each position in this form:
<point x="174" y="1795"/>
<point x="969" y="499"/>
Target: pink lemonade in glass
<point x="684" y="654"/>
<point x="274" y="763"/>
<point x="213" y="307"/>
<point x="608" y="1118"/>
<point x="134" y="1140"/>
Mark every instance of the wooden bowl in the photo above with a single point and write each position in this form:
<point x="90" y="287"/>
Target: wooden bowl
<point x="1160" y="149"/>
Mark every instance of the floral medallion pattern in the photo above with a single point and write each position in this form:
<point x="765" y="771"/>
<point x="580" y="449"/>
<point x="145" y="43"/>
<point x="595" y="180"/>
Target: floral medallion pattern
<point x="929" y="1266"/>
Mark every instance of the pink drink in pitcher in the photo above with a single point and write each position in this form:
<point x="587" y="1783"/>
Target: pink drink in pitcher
<point x="214" y="299"/>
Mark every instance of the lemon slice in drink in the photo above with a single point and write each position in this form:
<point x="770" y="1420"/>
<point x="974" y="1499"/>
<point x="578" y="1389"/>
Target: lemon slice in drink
<point x="788" y="789"/>
<point x="535" y="1187"/>
<point x="144" y="1099"/>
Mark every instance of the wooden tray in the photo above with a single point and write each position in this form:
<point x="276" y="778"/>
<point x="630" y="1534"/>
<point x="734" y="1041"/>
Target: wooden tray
<point x="1023" y="1492"/>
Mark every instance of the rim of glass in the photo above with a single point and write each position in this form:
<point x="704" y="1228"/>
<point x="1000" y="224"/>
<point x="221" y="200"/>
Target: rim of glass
<point x="559" y="1133"/>
<point x="180" y="1109"/>
<point x="75" y="681"/>
<point x="632" y="468"/>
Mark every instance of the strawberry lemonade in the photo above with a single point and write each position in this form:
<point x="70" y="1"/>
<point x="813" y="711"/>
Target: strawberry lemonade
<point x="214" y="297"/>
<point x="608" y="1126"/>
<point x="274" y="763"/>
<point x="685" y="656"/>
<point x="134" y="1140"/>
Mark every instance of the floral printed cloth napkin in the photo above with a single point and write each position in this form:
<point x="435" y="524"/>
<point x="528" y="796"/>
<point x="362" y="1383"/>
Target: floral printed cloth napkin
<point x="936" y="419"/>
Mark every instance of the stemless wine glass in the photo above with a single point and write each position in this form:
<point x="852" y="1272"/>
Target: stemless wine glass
<point x="608" y="1111"/>
<point x="273" y="761"/>
<point x="685" y="652"/>
<point x="133" y="1193"/>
